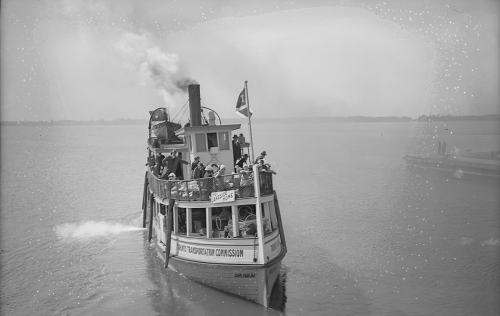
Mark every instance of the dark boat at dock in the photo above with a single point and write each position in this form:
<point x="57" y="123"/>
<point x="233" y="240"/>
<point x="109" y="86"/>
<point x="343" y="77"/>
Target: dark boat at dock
<point x="480" y="163"/>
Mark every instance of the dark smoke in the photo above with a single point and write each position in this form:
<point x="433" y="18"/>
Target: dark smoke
<point x="183" y="83"/>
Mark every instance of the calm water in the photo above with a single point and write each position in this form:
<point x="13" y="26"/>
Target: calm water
<point x="366" y="236"/>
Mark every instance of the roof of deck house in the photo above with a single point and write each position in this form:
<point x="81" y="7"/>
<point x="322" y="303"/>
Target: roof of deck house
<point x="187" y="130"/>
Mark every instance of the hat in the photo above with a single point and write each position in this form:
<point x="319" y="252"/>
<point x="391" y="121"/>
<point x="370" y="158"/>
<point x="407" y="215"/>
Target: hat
<point x="235" y="136"/>
<point x="196" y="157"/>
<point x="263" y="153"/>
<point x="222" y="167"/>
<point x="171" y="175"/>
<point x="245" y="155"/>
<point x="174" y="151"/>
<point x="208" y="168"/>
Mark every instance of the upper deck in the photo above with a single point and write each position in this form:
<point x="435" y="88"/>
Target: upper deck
<point x="200" y="190"/>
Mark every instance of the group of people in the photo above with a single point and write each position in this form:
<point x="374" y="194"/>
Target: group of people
<point x="199" y="170"/>
<point x="170" y="167"/>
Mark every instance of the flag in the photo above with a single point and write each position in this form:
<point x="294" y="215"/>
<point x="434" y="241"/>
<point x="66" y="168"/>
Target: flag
<point x="242" y="106"/>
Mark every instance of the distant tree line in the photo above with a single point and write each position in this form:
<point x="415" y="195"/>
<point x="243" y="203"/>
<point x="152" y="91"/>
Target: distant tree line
<point x="119" y="121"/>
<point x="434" y="118"/>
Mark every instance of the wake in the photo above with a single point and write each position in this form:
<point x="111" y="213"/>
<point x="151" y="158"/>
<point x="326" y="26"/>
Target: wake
<point x="92" y="229"/>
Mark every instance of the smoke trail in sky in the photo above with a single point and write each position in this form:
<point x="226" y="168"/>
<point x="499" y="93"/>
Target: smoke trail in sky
<point x="154" y="67"/>
<point x="92" y="229"/>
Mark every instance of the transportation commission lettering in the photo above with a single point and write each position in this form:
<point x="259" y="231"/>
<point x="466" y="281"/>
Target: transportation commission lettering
<point x="217" y="252"/>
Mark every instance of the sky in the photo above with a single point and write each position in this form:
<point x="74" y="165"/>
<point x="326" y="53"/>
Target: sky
<point x="96" y="59"/>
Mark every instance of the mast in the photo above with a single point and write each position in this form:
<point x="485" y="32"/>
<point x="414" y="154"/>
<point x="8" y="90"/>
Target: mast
<point x="249" y="121"/>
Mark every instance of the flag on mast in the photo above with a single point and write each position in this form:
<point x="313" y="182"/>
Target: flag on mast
<point x="242" y="105"/>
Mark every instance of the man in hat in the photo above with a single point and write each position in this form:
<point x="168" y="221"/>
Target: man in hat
<point x="262" y="156"/>
<point x="236" y="148"/>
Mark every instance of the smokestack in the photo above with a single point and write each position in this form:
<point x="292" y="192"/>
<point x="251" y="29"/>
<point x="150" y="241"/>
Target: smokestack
<point x="194" y="104"/>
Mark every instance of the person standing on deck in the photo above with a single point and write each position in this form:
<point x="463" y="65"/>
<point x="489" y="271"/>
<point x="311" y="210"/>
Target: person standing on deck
<point x="158" y="164"/>
<point x="167" y="164"/>
<point x="439" y="147"/>
<point x="198" y="172"/>
<point x="236" y="148"/>
<point x="194" y="164"/>
<point x="262" y="156"/>
<point x="444" y="148"/>
<point x="176" y="166"/>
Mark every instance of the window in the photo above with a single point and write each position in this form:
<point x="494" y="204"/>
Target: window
<point x="198" y="221"/>
<point x="212" y="140"/>
<point x="181" y="221"/>
<point x="201" y="144"/>
<point x="224" y="141"/>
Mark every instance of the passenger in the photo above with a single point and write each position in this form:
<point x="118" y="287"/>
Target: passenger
<point x="167" y="164"/>
<point x="208" y="172"/>
<point x="158" y="165"/>
<point x="242" y="160"/>
<point x="194" y="164"/>
<point x="176" y="165"/>
<point x="444" y="148"/>
<point x="439" y="147"/>
<point x="221" y="172"/>
<point x="241" y="139"/>
<point x="262" y="166"/>
<point x="199" y="170"/>
<point x="170" y="177"/>
<point x="236" y="149"/>
<point x="215" y="168"/>
<point x="265" y="167"/>
<point x="245" y="175"/>
<point x="262" y="156"/>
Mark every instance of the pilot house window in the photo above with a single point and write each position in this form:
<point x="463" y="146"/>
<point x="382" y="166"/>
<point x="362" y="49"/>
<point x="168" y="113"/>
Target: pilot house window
<point x="212" y="140"/>
<point x="223" y="141"/>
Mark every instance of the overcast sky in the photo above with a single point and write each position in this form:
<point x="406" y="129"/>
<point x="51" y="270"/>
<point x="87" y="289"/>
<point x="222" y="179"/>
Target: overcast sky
<point x="97" y="59"/>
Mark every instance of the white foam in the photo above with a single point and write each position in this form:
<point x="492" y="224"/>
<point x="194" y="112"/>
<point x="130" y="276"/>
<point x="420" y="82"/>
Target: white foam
<point x="92" y="229"/>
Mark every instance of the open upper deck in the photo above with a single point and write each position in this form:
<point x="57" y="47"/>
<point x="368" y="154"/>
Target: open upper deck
<point x="232" y="186"/>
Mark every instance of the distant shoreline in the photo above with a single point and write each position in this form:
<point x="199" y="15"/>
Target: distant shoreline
<point x="422" y="118"/>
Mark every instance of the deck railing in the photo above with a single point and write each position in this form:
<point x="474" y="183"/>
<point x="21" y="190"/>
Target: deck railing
<point x="201" y="189"/>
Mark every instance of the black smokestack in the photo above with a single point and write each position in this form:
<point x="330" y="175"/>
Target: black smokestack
<point x="194" y="104"/>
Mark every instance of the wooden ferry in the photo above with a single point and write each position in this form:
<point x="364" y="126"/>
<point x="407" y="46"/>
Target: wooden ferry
<point x="225" y="232"/>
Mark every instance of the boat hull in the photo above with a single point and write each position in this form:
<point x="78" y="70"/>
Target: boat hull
<point x="253" y="282"/>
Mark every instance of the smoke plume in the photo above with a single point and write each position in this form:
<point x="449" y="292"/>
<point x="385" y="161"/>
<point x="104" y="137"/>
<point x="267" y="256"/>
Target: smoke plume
<point x="154" y="67"/>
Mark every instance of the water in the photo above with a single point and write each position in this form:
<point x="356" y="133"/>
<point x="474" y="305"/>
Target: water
<point x="366" y="236"/>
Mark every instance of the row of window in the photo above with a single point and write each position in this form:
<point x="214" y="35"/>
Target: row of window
<point x="218" y="222"/>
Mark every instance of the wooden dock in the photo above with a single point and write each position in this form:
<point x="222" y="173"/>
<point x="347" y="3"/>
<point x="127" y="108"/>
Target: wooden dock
<point x="459" y="165"/>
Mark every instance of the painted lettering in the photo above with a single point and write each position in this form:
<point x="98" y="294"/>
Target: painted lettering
<point x="217" y="252"/>
<point x="244" y="275"/>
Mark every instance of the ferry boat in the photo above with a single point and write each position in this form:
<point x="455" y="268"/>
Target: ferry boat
<point x="225" y="232"/>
